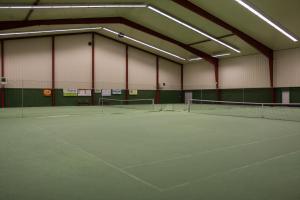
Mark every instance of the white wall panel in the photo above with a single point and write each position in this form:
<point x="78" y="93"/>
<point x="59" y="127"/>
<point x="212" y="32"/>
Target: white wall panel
<point x="169" y="73"/>
<point x="244" y="72"/>
<point x="73" y="61"/>
<point x="28" y="63"/>
<point x="142" y="70"/>
<point x="287" y="68"/>
<point x="110" y="64"/>
<point x="198" y="75"/>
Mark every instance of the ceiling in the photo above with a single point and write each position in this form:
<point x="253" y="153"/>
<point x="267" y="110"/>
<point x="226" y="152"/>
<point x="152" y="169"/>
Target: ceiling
<point x="286" y="13"/>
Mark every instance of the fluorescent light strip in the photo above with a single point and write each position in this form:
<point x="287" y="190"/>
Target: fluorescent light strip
<point x="221" y="55"/>
<point x="143" y="43"/>
<point x="261" y="16"/>
<point x="215" y="56"/>
<point x="62" y="6"/>
<point x="50" y="31"/>
<point x="192" y="28"/>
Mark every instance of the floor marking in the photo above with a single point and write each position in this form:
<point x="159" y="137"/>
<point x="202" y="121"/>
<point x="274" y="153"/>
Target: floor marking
<point x="231" y="170"/>
<point x="114" y="166"/>
<point x="204" y="152"/>
<point x="55" y="116"/>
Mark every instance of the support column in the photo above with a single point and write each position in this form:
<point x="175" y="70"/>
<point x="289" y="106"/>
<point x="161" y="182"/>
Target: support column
<point x="126" y="75"/>
<point x="93" y="69"/>
<point x="53" y="70"/>
<point x="2" y="75"/>
<point x="181" y="83"/>
<point x="271" y="70"/>
<point x="157" y="94"/>
<point x="217" y="81"/>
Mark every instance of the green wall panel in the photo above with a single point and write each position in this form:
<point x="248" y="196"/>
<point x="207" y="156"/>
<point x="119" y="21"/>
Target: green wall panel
<point x="232" y="95"/>
<point x="170" y="96"/>
<point x="295" y="95"/>
<point x="30" y="98"/>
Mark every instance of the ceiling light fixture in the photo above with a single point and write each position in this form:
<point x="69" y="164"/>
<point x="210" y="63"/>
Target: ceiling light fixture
<point x="269" y="21"/>
<point x="49" y="31"/>
<point x="143" y="43"/>
<point x="64" y="6"/>
<point x="215" y="56"/>
<point x="192" y="28"/>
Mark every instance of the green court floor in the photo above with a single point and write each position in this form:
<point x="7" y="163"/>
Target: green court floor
<point x="82" y="153"/>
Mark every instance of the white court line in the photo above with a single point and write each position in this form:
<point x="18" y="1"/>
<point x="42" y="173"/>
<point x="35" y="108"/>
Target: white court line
<point x="231" y="171"/>
<point x="56" y="116"/>
<point x="205" y="152"/>
<point x="114" y="166"/>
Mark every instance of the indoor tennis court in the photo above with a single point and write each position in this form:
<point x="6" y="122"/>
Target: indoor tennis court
<point x="149" y="100"/>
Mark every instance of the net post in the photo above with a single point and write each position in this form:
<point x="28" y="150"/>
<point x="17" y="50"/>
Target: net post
<point x="189" y="105"/>
<point x="153" y="104"/>
<point x="262" y="111"/>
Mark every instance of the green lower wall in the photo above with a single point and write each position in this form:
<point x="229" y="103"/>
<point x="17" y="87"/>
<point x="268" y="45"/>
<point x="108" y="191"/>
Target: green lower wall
<point x="35" y="98"/>
<point x="259" y="95"/>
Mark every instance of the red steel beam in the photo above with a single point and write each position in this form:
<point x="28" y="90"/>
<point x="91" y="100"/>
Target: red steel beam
<point x="217" y="81"/>
<point x="157" y="95"/>
<point x="53" y="70"/>
<point x="181" y="83"/>
<point x="271" y="72"/>
<point x="126" y="74"/>
<point x="93" y="68"/>
<point x="4" y="25"/>
<point x="2" y="75"/>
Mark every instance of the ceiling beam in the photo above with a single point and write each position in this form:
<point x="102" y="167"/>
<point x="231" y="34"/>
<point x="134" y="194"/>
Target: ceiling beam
<point x="204" y="41"/>
<point x="268" y="52"/>
<point x="5" y="25"/>
<point x="31" y="10"/>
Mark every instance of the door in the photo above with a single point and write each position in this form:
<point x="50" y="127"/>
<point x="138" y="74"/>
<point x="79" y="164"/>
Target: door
<point x="286" y="97"/>
<point x="188" y="96"/>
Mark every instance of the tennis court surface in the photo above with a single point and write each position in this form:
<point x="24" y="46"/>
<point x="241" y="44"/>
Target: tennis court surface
<point x="85" y="153"/>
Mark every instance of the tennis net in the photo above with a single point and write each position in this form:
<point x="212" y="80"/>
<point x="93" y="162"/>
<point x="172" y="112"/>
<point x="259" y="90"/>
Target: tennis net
<point x="136" y="104"/>
<point x="278" y="111"/>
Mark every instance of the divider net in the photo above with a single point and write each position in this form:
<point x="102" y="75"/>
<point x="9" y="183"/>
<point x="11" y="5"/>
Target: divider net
<point x="288" y="112"/>
<point x="137" y="104"/>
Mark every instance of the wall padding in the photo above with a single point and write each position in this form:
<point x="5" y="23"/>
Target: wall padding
<point x="109" y="64"/>
<point x="198" y="75"/>
<point x="170" y="74"/>
<point x="287" y="68"/>
<point x="244" y="72"/>
<point x="28" y="63"/>
<point x="73" y="61"/>
<point x="141" y="70"/>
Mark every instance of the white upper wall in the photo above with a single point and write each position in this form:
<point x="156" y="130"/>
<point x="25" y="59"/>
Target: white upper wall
<point x="73" y="61"/>
<point x="170" y="74"/>
<point x="244" y="72"/>
<point x="141" y="70"/>
<point x="110" y="64"/>
<point x="199" y="75"/>
<point x="287" y="68"/>
<point x="28" y="60"/>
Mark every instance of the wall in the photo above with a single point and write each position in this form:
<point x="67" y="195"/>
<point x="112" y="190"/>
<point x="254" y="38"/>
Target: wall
<point x="109" y="64"/>
<point x="287" y="68"/>
<point x="199" y="75"/>
<point x="28" y="66"/>
<point x="141" y="70"/>
<point x="170" y="74"/>
<point x="246" y="78"/>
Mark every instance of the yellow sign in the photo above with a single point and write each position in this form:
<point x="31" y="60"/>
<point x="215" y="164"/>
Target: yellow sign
<point x="133" y="92"/>
<point x="47" y="92"/>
